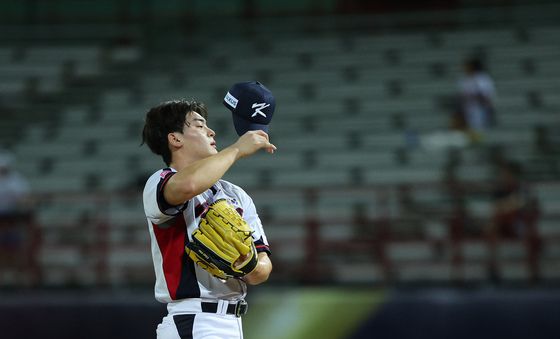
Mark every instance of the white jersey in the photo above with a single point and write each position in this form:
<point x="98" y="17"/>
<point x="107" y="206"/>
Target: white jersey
<point x="177" y="277"/>
<point x="477" y="93"/>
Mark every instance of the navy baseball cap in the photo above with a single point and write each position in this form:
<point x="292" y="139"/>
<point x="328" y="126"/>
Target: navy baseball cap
<point x="252" y="106"/>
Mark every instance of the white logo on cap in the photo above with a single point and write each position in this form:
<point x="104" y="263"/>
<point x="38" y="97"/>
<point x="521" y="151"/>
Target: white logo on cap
<point x="231" y="100"/>
<point x="258" y="108"/>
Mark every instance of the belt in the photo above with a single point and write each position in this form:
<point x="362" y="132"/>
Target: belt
<point x="238" y="309"/>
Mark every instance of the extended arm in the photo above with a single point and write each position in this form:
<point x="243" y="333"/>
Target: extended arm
<point x="201" y="175"/>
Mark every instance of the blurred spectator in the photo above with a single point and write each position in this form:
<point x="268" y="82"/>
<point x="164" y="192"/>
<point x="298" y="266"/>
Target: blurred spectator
<point x="512" y="201"/>
<point x="17" y="234"/>
<point x="476" y="109"/>
<point x="547" y="149"/>
<point x="514" y="215"/>
<point x="14" y="189"/>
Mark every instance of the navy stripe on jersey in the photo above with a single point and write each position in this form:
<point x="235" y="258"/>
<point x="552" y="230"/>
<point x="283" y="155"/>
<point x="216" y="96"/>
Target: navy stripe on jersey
<point x="163" y="205"/>
<point x="178" y="271"/>
<point x="188" y="285"/>
<point x="262" y="247"/>
<point x="200" y="209"/>
<point x="184" y="324"/>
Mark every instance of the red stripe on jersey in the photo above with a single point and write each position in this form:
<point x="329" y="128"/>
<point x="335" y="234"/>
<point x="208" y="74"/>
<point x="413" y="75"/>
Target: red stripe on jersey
<point x="263" y="248"/>
<point x="171" y="243"/>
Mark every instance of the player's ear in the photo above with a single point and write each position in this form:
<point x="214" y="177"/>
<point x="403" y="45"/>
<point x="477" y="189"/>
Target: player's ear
<point x="175" y="139"/>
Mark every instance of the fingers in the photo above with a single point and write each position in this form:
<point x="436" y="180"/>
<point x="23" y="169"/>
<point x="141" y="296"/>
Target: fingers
<point x="271" y="148"/>
<point x="258" y="136"/>
<point x="260" y="133"/>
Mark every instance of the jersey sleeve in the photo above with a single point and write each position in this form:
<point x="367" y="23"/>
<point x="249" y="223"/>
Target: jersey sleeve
<point x="156" y="208"/>
<point x="250" y="215"/>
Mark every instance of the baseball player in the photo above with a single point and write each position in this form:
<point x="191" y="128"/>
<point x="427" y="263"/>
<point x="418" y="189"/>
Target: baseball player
<point x="201" y="267"/>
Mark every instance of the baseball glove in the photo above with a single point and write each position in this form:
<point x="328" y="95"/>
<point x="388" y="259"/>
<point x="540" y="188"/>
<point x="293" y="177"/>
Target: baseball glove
<point x="223" y="243"/>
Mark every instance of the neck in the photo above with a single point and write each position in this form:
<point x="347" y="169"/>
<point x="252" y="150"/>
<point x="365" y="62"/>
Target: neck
<point x="180" y="161"/>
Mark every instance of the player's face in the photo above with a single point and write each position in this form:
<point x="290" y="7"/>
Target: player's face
<point x="199" y="138"/>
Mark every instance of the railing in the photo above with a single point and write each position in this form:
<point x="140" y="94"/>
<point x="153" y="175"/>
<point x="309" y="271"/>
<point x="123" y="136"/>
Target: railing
<point x="107" y="243"/>
<point x="19" y="245"/>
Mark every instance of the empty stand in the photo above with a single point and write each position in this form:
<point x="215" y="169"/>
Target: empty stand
<point x="355" y="114"/>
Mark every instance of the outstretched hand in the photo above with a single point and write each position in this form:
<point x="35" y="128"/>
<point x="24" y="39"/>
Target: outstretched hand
<point x="253" y="141"/>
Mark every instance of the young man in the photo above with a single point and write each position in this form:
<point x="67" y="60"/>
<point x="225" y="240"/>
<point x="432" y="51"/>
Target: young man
<point x="477" y="94"/>
<point x="199" y="304"/>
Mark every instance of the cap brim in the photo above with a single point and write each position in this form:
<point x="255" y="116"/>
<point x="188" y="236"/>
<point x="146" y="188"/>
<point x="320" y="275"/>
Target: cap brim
<point x="242" y="126"/>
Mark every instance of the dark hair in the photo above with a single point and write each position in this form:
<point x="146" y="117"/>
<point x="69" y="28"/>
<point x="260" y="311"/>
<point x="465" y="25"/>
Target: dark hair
<point x="165" y="118"/>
